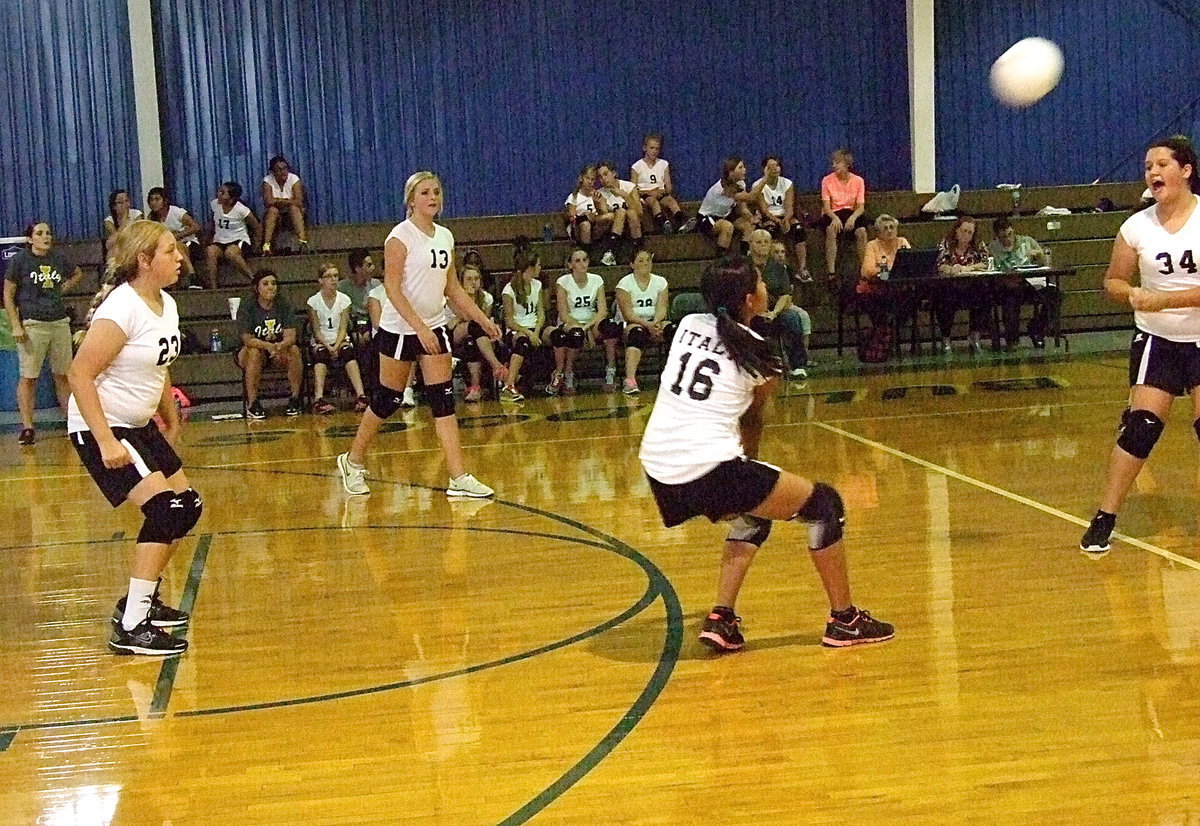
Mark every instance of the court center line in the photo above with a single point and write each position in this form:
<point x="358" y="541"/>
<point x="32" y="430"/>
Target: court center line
<point x="1007" y="494"/>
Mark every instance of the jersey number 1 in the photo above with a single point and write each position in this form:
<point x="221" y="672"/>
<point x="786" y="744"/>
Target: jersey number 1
<point x="701" y="384"/>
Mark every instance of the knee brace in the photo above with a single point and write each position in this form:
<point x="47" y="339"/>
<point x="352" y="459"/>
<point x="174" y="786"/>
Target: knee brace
<point x="385" y="401"/>
<point x="441" y="399"/>
<point x="468" y="350"/>
<point x="558" y="337"/>
<point x="576" y="338"/>
<point x="169" y="516"/>
<point x="825" y="514"/>
<point x="609" y="329"/>
<point x="637" y="337"/>
<point x="751" y="529"/>
<point x="1138" y="433"/>
<point x="522" y="346"/>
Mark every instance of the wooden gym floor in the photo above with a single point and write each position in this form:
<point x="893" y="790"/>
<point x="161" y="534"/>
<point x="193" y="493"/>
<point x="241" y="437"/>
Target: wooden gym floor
<point x="400" y="659"/>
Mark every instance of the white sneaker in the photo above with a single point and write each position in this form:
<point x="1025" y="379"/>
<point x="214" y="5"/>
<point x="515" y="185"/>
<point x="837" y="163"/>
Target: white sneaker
<point x="799" y="373"/>
<point x="353" y="477"/>
<point x="410" y="398"/>
<point x="608" y="259"/>
<point x="468" y="485"/>
<point x="610" y="379"/>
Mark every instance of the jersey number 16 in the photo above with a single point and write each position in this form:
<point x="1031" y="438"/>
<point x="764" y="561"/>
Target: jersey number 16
<point x="700" y="386"/>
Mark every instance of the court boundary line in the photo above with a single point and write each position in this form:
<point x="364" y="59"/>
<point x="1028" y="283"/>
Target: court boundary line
<point x="170" y="668"/>
<point x="1007" y="494"/>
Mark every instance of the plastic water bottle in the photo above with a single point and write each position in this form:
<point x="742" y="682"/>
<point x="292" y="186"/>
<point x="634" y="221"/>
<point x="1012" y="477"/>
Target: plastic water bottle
<point x="547" y="233"/>
<point x="214" y="341"/>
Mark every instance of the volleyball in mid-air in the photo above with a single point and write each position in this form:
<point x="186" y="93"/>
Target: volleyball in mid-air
<point x="1027" y="72"/>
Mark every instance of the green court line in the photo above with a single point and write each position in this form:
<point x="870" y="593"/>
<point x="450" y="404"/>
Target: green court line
<point x="166" y="677"/>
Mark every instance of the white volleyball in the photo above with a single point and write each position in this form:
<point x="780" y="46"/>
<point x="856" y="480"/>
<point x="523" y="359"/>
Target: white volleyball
<point x="1027" y="72"/>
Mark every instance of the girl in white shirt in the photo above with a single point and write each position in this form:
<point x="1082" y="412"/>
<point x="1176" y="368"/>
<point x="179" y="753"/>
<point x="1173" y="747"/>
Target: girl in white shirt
<point x="1162" y="245"/>
<point x="181" y="224"/>
<point x="642" y="303"/>
<point x="582" y="322"/>
<point x="234" y="231"/>
<point x="120" y="213"/>
<point x="585" y="213"/>
<point x="470" y="341"/>
<point x="119" y="381"/>
<point x="699" y="452"/>
<point x="524" y="303"/>
<point x="282" y="196"/>
<point x="329" y="321"/>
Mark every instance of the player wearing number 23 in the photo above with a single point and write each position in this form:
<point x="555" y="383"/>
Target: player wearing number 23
<point x="699" y="453"/>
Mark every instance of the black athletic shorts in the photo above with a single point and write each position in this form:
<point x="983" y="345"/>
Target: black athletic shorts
<point x="732" y="488"/>
<point x="408" y="347"/>
<point x="147" y="447"/>
<point x="1171" y="366"/>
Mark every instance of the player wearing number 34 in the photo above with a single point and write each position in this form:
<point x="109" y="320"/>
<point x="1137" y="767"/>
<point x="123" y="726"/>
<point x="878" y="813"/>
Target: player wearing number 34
<point x="1162" y="245"/>
<point x="700" y="452"/>
<point x="119" y="380"/>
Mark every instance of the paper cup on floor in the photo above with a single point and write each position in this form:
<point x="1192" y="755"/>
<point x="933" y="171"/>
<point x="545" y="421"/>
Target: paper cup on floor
<point x="234" y="303"/>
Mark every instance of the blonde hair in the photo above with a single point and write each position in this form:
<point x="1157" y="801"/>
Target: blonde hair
<point x="885" y="219"/>
<point x="125" y="249"/>
<point x="415" y="180"/>
<point x="324" y="267"/>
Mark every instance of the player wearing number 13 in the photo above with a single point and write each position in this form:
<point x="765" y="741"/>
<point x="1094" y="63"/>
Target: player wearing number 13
<point x="1162" y="245"/>
<point x="119" y="380"/>
<point x="700" y="447"/>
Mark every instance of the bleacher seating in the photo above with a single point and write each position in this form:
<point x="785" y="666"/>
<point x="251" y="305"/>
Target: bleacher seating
<point x="1083" y="241"/>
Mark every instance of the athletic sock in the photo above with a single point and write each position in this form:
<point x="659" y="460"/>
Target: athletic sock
<point x="137" y="604"/>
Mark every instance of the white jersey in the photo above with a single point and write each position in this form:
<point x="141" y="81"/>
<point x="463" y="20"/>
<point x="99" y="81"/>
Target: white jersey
<point x="134" y="215"/>
<point x="775" y="195"/>
<point x="649" y="177"/>
<point x="284" y="191"/>
<point x="616" y="200"/>
<point x="701" y="398"/>
<point x="132" y="384"/>
<point x="174" y="222"/>
<point x="230" y="227"/>
<point x="452" y="317"/>
<point x="644" y="302"/>
<point x="582" y="203"/>
<point x="716" y="203"/>
<point x="525" y="314"/>
<point x="379" y="294"/>
<point x="426" y="267"/>
<point x="329" y="318"/>
<point x="582" y="302"/>
<point x="1167" y="262"/>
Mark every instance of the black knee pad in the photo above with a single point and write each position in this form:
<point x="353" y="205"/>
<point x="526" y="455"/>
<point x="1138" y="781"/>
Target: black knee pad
<point x="441" y="399"/>
<point x="1139" y="431"/>
<point x="825" y="514"/>
<point x="637" y="337"/>
<point x="194" y="506"/>
<point x="385" y="401"/>
<point x="474" y="330"/>
<point x="748" y="528"/>
<point x="168" y="518"/>
<point x="468" y="350"/>
<point x="609" y="329"/>
<point x="522" y="346"/>
<point x="575" y="338"/>
<point x="558" y="337"/>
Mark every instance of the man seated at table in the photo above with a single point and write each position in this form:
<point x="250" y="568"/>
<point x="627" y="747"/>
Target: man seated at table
<point x="1011" y="252"/>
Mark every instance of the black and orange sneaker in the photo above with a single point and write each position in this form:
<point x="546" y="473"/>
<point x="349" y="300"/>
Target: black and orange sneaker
<point x="861" y="628"/>
<point x="720" y="631"/>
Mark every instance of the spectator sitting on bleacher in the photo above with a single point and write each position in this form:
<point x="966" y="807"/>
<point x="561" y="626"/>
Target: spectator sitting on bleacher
<point x="779" y="254"/>
<point x="725" y="207"/>
<point x="642" y="299"/>
<point x="843" y="201"/>
<point x="777" y="212"/>
<point x="582" y="322"/>
<point x="524" y="314"/>
<point x="358" y="286"/>
<point x="1012" y="251"/>
<point x="120" y="213"/>
<point x="231" y="229"/>
<point x="652" y="174"/>
<point x="268" y="330"/>
<point x="41" y="328"/>
<point x="282" y="197"/>
<point x="782" y="319"/>
<point x="329" y="320"/>
<point x="622" y="199"/>
<point x="182" y="226"/>
<point x="584" y="212"/>
<point x="878" y="300"/>
<point x="470" y="342"/>
<point x="961" y="253"/>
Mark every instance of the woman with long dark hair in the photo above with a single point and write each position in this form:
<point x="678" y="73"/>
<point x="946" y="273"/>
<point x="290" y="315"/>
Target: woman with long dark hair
<point x="700" y="447"/>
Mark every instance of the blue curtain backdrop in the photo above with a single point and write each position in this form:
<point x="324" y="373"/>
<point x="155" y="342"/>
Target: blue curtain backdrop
<point x="506" y="100"/>
<point x="67" y="130"/>
<point x="1131" y="72"/>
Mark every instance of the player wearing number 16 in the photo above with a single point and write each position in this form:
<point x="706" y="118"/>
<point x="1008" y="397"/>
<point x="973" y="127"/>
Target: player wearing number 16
<point x="418" y="280"/>
<point x="1162" y="245"/>
<point x="700" y="451"/>
<point x="119" y="380"/>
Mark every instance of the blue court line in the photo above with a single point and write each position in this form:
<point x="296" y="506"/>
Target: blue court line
<point x="166" y="677"/>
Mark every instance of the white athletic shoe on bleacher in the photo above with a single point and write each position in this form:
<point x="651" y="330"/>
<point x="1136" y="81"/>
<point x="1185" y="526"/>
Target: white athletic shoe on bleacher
<point x="353" y="476"/>
<point x="468" y="485"/>
<point x="409" y="398"/>
<point x="608" y="259"/>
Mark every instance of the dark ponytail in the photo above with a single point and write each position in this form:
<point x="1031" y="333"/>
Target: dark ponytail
<point x="725" y="285"/>
<point x="524" y="258"/>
